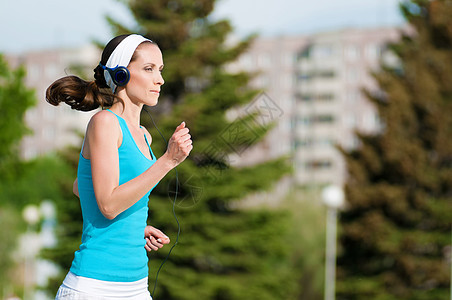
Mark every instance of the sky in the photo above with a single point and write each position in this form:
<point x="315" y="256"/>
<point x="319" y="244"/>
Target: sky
<point x="35" y="25"/>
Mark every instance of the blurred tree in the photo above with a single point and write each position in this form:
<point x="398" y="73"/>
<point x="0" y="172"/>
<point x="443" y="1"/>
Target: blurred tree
<point x="15" y="99"/>
<point x="69" y="218"/>
<point x="224" y="252"/>
<point x="22" y="182"/>
<point x="396" y="239"/>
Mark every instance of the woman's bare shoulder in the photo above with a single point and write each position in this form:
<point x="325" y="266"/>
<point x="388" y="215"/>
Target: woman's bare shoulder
<point x="104" y="122"/>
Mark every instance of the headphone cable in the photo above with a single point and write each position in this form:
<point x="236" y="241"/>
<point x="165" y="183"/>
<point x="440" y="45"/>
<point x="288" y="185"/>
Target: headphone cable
<point x="173" y="209"/>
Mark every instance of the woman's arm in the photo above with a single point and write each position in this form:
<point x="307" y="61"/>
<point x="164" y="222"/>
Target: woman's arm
<point x="102" y="135"/>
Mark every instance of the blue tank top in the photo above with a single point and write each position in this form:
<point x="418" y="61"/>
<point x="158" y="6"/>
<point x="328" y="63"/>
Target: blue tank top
<point x="113" y="250"/>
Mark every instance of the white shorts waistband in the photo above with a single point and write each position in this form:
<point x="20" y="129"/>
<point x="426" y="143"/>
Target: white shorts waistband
<point x="110" y="289"/>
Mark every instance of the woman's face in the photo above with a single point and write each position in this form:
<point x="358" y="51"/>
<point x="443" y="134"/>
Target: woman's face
<point x="145" y="75"/>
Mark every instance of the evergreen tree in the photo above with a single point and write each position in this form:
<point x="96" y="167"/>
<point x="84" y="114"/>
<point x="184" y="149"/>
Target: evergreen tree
<point x="396" y="231"/>
<point x="224" y="252"/>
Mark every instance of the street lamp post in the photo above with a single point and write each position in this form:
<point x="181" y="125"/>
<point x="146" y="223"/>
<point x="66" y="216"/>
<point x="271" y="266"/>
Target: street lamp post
<point x="333" y="198"/>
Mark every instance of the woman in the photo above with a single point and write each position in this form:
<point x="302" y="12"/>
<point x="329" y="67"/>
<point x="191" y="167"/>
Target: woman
<point x="117" y="170"/>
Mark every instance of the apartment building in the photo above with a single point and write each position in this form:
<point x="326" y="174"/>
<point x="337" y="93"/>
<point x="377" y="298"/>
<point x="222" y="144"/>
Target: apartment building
<point x="53" y="127"/>
<point x="332" y="71"/>
<point x="273" y="60"/>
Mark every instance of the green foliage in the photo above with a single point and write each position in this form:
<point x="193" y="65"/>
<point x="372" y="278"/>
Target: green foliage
<point x="69" y="217"/>
<point x="9" y="232"/>
<point x="15" y="99"/>
<point x="308" y="238"/>
<point x="396" y="230"/>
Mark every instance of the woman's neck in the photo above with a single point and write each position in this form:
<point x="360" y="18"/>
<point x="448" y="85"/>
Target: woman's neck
<point x="128" y="111"/>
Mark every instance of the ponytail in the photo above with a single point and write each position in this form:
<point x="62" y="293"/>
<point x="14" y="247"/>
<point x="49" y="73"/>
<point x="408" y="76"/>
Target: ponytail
<point x="80" y="94"/>
<point x="89" y="95"/>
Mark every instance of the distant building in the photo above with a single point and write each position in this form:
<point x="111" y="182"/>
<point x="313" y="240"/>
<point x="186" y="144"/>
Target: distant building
<point x="53" y="127"/>
<point x="274" y="60"/>
<point x="332" y="70"/>
<point x="317" y="82"/>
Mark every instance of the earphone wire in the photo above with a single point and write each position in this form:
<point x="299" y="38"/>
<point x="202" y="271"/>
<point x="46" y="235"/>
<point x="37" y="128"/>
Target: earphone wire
<point x="174" y="205"/>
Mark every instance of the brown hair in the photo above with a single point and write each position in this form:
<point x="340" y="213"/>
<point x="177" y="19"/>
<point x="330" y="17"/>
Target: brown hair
<point x="85" y="95"/>
<point x="80" y="94"/>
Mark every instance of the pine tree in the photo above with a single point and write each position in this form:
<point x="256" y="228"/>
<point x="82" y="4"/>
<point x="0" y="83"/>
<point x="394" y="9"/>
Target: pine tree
<point x="396" y="231"/>
<point x="224" y="252"/>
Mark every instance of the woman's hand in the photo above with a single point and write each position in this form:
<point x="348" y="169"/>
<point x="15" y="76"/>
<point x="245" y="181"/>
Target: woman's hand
<point x="155" y="239"/>
<point x="179" y="145"/>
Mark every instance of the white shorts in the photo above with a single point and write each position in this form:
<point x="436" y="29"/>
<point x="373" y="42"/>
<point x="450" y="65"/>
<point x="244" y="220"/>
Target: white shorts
<point x="81" y="288"/>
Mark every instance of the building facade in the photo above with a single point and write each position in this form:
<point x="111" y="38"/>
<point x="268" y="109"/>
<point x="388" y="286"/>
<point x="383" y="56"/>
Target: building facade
<point x="317" y="82"/>
<point x="53" y="127"/>
<point x="333" y="70"/>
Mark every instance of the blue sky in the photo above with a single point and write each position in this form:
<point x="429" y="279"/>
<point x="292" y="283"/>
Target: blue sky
<point x="30" y="24"/>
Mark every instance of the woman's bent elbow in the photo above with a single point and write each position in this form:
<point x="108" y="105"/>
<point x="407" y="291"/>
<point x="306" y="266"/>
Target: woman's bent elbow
<point x="107" y="211"/>
<point x="107" y="214"/>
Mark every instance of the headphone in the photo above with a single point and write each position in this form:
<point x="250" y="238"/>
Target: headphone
<point x="119" y="74"/>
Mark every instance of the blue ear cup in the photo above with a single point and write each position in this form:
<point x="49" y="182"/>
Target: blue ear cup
<point x="120" y="75"/>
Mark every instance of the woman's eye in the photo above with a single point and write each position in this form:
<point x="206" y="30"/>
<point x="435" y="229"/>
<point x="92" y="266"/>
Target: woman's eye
<point x="149" y="69"/>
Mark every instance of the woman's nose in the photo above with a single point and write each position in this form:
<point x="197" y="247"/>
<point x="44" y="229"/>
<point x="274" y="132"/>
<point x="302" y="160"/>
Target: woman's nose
<point x="159" y="79"/>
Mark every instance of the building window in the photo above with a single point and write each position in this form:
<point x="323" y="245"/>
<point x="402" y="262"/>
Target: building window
<point x="352" y="52"/>
<point x="263" y="81"/>
<point x="323" y="119"/>
<point x="322" y="51"/>
<point x="34" y="72"/>
<point x="319" y="164"/>
<point x="264" y="60"/>
<point x="352" y="75"/>
<point x="320" y="119"/>
<point x="49" y="113"/>
<point x="325" y="142"/>
<point x="51" y="70"/>
<point x="325" y="97"/>
<point x="372" y="52"/>
<point x="245" y="61"/>
<point x="305" y="76"/>
<point x="350" y="120"/>
<point x="353" y="96"/>
<point x="289" y="59"/>
<point x="304" y="120"/>
<point x="306" y="53"/>
<point x="287" y="81"/>
<point x="320" y="97"/>
<point x="304" y="142"/>
<point x="305" y="97"/>
<point x="326" y="74"/>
